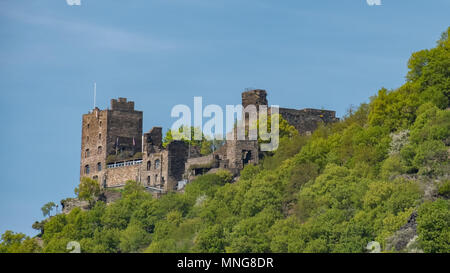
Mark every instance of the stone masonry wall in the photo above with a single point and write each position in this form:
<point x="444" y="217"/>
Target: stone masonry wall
<point x="237" y="151"/>
<point x="124" y="125"/>
<point x="154" y="169"/>
<point x="255" y="97"/>
<point x="304" y="120"/>
<point x="93" y="143"/>
<point x="153" y="140"/>
<point x="164" y="167"/>
<point x="177" y="152"/>
<point x="116" y="177"/>
<point x="307" y="120"/>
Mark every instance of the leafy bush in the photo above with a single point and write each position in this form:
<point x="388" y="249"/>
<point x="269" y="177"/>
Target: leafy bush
<point x="433" y="226"/>
<point x="444" y="189"/>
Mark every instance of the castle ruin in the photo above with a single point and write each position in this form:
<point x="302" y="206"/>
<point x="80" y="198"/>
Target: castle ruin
<point x="114" y="149"/>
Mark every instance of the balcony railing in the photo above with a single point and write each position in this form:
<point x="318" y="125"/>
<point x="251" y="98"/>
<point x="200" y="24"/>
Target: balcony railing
<point x="124" y="163"/>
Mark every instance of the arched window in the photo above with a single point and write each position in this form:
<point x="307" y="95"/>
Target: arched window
<point x="157" y="163"/>
<point x="99" y="149"/>
<point x="148" y="180"/>
<point x="156" y="179"/>
<point x="86" y="169"/>
<point x="99" y="166"/>
<point x="87" y="153"/>
<point x="99" y="136"/>
<point x="149" y="165"/>
<point x="100" y="123"/>
<point x="87" y="138"/>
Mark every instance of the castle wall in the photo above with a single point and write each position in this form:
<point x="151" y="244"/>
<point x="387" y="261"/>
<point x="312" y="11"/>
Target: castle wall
<point x="100" y="130"/>
<point x="116" y="177"/>
<point x="154" y="169"/>
<point x="200" y="163"/>
<point x="177" y="153"/>
<point x="162" y="168"/>
<point x="122" y="105"/>
<point x="93" y="142"/>
<point x="254" y="97"/>
<point x="153" y="140"/>
<point x="124" y="126"/>
<point x="242" y="152"/>
<point x="304" y="120"/>
<point x="307" y="120"/>
<point x="203" y="160"/>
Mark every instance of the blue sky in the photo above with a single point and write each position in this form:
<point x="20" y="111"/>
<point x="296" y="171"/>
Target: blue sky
<point x="160" y="53"/>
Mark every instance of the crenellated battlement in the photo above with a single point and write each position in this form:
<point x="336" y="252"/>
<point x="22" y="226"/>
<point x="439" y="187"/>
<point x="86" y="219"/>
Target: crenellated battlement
<point x="122" y="105"/>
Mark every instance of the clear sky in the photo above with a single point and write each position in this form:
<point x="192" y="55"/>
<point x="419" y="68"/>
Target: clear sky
<point x="159" y="53"/>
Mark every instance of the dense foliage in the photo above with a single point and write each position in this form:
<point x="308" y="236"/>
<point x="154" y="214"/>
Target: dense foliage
<point x="346" y="185"/>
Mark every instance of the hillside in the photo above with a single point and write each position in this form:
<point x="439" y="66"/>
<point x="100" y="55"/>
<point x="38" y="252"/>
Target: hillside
<point x="380" y="174"/>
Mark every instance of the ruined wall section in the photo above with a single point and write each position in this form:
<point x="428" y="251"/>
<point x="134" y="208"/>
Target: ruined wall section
<point x="201" y="161"/>
<point x="240" y="153"/>
<point x="177" y="152"/>
<point x="304" y="120"/>
<point x="254" y="97"/>
<point x="153" y="140"/>
<point x="162" y="168"/>
<point x="307" y="120"/>
<point x="200" y="164"/>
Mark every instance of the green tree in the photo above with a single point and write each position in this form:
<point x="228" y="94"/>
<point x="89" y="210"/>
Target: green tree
<point x="206" y="147"/>
<point x="88" y="190"/>
<point x="133" y="238"/>
<point x="47" y="208"/>
<point x="433" y="226"/>
<point x="18" y="243"/>
<point x="181" y="135"/>
<point x="211" y="240"/>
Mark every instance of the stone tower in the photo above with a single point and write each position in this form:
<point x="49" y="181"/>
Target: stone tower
<point x="115" y="132"/>
<point x="256" y="97"/>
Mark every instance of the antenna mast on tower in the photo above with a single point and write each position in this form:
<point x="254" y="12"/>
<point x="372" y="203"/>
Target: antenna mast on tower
<point x="95" y="93"/>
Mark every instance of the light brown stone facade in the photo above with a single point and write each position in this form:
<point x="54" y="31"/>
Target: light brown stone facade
<point x="114" y="149"/>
